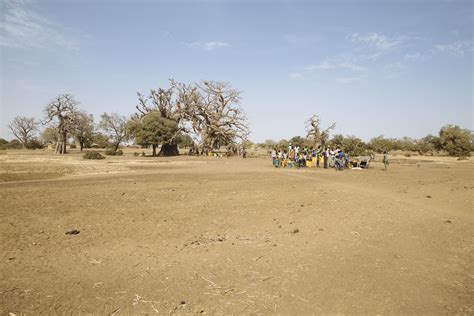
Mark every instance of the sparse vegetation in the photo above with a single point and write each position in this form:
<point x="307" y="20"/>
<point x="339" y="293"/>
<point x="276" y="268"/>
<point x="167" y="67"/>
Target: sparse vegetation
<point x="93" y="155"/>
<point x="24" y="129"/>
<point x="112" y="152"/>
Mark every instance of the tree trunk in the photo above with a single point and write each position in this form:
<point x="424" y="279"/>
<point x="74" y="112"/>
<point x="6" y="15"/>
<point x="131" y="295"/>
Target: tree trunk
<point x="116" y="146"/>
<point x="64" y="143"/>
<point x="169" y="150"/>
<point x="154" y="150"/>
<point x="81" y="144"/>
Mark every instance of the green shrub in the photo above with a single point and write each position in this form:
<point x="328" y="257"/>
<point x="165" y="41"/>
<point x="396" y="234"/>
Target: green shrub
<point x="112" y="152"/>
<point x="14" y="144"/>
<point x="455" y="140"/>
<point x="93" y="155"/>
<point x="34" y="144"/>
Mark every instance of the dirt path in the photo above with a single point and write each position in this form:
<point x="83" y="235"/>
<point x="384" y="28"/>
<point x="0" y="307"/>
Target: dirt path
<point x="232" y="236"/>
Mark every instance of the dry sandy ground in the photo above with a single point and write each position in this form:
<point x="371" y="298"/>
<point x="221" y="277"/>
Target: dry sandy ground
<point x="228" y="236"/>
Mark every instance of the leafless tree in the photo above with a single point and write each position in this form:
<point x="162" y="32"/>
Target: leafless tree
<point x="63" y="110"/>
<point x="115" y="126"/>
<point x="23" y="128"/>
<point x="167" y="104"/>
<point x="316" y="134"/>
<point x="213" y="108"/>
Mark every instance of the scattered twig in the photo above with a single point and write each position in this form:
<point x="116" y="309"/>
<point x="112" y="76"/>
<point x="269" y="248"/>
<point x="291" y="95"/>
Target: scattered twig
<point x="208" y="281"/>
<point x="258" y="258"/>
<point x="301" y="299"/>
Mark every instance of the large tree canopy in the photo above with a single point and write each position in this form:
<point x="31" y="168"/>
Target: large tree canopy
<point x="219" y="117"/>
<point x="63" y="111"/>
<point x="210" y="110"/>
<point x="84" y="129"/>
<point x="455" y="140"/>
<point x="315" y="133"/>
<point x="152" y="130"/>
<point x="115" y="127"/>
<point x="23" y="128"/>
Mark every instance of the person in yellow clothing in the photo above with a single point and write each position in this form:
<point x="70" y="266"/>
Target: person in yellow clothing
<point x="284" y="162"/>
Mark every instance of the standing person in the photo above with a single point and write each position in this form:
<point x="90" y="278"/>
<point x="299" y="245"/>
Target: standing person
<point x="326" y="156"/>
<point x="385" y="160"/>
<point x="284" y="162"/>
<point x="318" y="154"/>
<point x="274" y="155"/>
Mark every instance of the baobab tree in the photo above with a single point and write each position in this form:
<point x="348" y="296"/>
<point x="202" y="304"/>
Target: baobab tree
<point x="219" y="117"/>
<point x="210" y="110"/>
<point x="165" y="103"/>
<point x="23" y="128"/>
<point x="152" y="130"/>
<point x="115" y="127"/>
<point x="315" y="133"/>
<point x="214" y="112"/>
<point x="63" y="110"/>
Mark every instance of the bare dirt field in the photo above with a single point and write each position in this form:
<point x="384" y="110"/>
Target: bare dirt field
<point x="232" y="236"/>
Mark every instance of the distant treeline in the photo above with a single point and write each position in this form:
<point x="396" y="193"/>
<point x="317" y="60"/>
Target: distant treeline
<point x="451" y="139"/>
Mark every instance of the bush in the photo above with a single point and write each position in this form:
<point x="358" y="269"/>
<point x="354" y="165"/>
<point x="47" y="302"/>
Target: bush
<point x="93" y="155"/>
<point x="14" y="144"/>
<point x="455" y="140"/>
<point x="136" y="154"/>
<point x="34" y="144"/>
<point x="111" y="152"/>
<point x="143" y="154"/>
<point x="72" y="146"/>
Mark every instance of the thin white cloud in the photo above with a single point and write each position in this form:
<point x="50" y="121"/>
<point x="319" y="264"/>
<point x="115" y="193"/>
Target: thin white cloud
<point x="380" y="41"/>
<point x="341" y="65"/>
<point x="213" y="45"/>
<point x="349" y="80"/>
<point x="457" y="48"/>
<point x="301" y="39"/>
<point x="394" y="70"/>
<point x="209" y="46"/>
<point x="417" y="56"/>
<point x="296" y="76"/>
<point x="375" y="44"/>
<point x="22" y="27"/>
<point x="329" y="64"/>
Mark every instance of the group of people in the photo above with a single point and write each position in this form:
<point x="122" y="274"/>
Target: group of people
<point x="309" y="157"/>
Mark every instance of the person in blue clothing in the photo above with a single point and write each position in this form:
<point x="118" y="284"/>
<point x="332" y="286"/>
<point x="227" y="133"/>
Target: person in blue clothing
<point x="326" y="157"/>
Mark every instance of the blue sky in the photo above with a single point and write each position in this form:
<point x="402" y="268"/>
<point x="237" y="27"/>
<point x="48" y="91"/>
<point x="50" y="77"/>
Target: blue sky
<point x="397" y="68"/>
